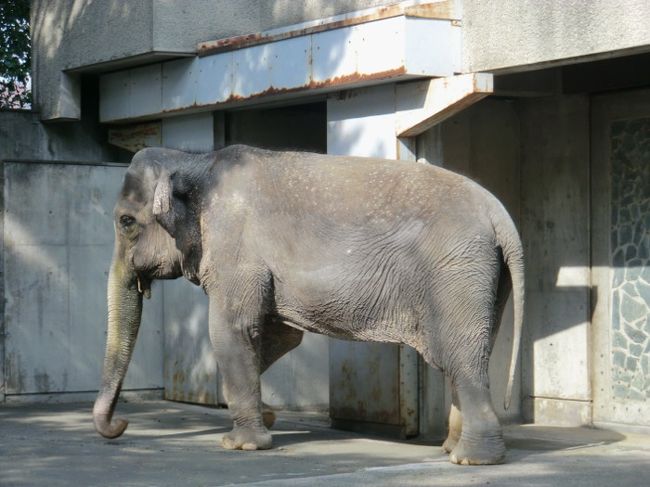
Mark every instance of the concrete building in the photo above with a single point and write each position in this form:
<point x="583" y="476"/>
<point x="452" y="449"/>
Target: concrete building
<point x="545" y="103"/>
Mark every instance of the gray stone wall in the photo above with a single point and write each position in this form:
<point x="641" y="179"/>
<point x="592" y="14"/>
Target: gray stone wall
<point x="630" y="247"/>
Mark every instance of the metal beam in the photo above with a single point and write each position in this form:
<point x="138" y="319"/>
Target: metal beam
<point x="423" y="104"/>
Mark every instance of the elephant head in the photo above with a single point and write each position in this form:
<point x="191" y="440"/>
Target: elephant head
<point x="156" y="237"/>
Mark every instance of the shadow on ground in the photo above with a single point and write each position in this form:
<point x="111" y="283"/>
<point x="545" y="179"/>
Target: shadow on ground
<point x="177" y="444"/>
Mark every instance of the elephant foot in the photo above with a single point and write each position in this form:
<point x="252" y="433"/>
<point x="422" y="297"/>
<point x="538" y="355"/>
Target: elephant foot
<point x="243" y="438"/>
<point x="268" y="416"/>
<point x="478" y="451"/>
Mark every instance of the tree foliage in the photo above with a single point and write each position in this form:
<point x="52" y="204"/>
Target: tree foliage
<point x="15" y="54"/>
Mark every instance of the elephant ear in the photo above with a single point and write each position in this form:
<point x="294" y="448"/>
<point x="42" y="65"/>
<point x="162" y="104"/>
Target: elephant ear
<point x="163" y="194"/>
<point x="168" y="207"/>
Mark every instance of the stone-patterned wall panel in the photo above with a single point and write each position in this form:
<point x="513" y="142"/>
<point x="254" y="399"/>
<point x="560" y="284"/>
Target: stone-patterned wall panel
<point x="630" y="246"/>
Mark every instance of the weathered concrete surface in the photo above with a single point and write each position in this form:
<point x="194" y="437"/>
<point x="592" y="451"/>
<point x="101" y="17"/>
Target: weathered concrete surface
<point x="176" y="444"/>
<point x="58" y="242"/>
<point x="555" y="219"/>
<point x="513" y="34"/>
<point x="22" y="136"/>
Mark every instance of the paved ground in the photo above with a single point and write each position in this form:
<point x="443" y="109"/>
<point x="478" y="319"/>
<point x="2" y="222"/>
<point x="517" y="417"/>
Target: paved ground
<point x="177" y="445"/>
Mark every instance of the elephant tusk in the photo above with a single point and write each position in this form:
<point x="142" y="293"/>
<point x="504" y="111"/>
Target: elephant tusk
<point x="146" y="292"/>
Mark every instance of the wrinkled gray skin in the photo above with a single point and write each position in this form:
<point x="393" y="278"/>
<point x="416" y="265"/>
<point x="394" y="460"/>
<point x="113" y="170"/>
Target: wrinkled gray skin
<point x="361" y="249"/>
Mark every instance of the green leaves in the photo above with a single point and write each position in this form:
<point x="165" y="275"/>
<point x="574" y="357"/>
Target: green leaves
<point x="15" y="54"/>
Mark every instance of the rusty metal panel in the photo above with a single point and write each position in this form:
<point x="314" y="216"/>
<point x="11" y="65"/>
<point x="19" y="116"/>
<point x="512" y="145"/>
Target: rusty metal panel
<point x="300" y="379"/>
<point x="215" y="79"/>
<point x="58" y="235"/>
<point x="364" y="382"/>
<point x="190" y="367"/>
<point x="289" y="63"/>
<point x="380" y="47"/>
<point x="392" y="48"/>
<point x="332" y="53"/>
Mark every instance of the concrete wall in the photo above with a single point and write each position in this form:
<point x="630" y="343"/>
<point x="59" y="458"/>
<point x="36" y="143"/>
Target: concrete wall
<point x="23" y="136"/>
<point x="555" y="229"/>
<point x="510" y="35"/>
<point x="58" y="241"/>
<point x="57" y="238"/>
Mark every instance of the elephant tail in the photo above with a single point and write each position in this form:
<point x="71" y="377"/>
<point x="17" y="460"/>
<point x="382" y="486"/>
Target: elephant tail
<point x="513" y="256"/>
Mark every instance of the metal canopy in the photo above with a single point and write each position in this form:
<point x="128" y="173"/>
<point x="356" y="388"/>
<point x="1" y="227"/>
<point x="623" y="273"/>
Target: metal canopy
<point x="389" y="49"/>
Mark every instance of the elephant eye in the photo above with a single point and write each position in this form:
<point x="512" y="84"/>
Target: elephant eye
<point x="126" y="221"/>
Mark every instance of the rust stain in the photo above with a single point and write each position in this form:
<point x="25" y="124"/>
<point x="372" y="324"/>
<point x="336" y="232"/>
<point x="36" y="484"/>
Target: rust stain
<point x="197" y="391"/>
<point x="135" y="137"/>
<point x="312" y="85"/>
<point x="436" y="10"/>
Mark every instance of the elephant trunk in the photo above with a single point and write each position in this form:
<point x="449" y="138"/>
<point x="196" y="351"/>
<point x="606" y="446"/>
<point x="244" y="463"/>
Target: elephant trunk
<point x="124" y="313"/>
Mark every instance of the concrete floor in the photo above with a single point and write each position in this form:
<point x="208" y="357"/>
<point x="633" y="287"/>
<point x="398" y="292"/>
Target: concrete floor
<point x="177" y="444"/>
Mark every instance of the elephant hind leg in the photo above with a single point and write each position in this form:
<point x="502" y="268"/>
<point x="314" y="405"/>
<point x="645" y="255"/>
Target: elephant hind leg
<point x="277" y="339"/>
<point x="475" y="436"/>
<point x="481" y="438"/>
<point x="455" y="424"/>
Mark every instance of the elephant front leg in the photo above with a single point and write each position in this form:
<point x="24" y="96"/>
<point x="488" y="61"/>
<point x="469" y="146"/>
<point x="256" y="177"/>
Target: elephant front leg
<point x="237" y="344"/>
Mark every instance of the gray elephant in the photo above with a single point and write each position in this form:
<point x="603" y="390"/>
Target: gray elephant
<point x="353" y="248"/>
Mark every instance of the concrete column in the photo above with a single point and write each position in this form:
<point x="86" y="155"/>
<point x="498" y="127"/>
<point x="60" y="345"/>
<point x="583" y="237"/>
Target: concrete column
<point x="555" y="228"/>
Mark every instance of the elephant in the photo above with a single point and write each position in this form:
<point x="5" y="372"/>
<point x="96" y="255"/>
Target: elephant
<point x="354" y="248"/>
